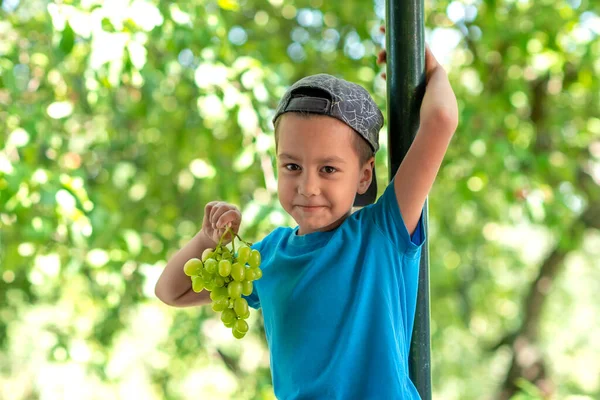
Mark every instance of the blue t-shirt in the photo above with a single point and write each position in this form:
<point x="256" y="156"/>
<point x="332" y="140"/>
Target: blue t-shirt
<point x="339" y="306"/>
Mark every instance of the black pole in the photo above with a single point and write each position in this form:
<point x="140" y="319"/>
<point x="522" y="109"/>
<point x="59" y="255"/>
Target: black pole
<point x="405" y="45"/>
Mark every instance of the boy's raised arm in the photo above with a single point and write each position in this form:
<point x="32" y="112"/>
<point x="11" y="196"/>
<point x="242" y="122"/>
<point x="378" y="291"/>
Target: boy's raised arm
<point x="438" y="121"/>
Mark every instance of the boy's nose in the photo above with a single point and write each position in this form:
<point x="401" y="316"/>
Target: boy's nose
<point x="309" y="185"/>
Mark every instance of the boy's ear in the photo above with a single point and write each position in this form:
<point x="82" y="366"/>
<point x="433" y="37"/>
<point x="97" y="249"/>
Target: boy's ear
<point x="366" y="175"/>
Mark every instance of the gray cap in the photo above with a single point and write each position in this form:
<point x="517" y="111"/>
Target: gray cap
<point x="350" y="103"/>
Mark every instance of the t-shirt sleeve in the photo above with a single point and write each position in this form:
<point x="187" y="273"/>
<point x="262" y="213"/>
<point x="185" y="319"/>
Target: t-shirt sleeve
<point x="254" y="299"/>
<point x="386" y="215"/>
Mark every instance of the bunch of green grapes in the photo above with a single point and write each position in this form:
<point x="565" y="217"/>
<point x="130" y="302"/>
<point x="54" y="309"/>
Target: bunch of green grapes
<point x="227" y="275"/>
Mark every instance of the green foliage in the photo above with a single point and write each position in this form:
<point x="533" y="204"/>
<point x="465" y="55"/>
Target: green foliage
<point x="120" y="121"/>
<point x="529" y="391"/>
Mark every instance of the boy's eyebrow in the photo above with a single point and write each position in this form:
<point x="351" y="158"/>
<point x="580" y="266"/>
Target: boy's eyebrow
<point x="322" y="160"/>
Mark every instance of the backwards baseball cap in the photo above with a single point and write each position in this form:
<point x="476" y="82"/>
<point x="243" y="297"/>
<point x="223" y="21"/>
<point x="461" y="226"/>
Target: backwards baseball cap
<point x="350" y="103"/>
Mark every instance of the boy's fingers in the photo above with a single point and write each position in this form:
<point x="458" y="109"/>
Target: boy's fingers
<point x="430" y="61"/>
<point x="208" y="212"/>
<point x="230" y="218"/>
<point x="382" y="28"/>
<point x="382" y="57"/>
<point x="220" y="214"/>
<point x="211" y="206"/>
<point x="208" y="208"/>
<point x="218" y="210"/>
<point x="211" y="217"/>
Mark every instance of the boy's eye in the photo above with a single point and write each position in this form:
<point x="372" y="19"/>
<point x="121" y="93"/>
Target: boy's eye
<point x="291" y="167"/>
<point x="295" y="167"/>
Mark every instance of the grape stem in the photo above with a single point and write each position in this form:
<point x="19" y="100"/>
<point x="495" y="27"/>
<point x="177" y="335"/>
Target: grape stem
<point x="222" y="237"/>
<point x="234" y="235"/>
<point x="249" y="244"/>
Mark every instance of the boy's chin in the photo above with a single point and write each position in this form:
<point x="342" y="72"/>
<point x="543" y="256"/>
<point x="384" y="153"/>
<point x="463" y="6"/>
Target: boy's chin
<point x="315" y="227"/>
<point x="316" y="224"/>
<point x="310" y="227"/>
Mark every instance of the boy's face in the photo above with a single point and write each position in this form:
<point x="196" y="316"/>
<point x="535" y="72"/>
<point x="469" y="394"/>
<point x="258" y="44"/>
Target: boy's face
<point x="318" y="171"/>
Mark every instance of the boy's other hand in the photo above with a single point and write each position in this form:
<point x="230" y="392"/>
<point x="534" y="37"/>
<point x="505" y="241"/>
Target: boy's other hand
<point x="382" y="55"/>
<point x="218" y="215"/>
<point x="430" y="62"/>
<point x="439" y="107"/>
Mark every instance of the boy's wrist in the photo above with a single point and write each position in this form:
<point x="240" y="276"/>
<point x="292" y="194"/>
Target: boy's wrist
<point x="204" y="241"/>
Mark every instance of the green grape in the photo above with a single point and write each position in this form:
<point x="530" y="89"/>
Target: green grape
<point x="234" y="289"/>
<point x="250" y="274"/>
<point x="240" y="306"/>
<point x="228" y="316"/>
<point x="209" y="285"/>
<point x="227" y="254"/>
<point x="247" y="288"/>
<point x="254" y="260"/>
<point x="228" y="279"/>
<point x="219" y="281"/>
<point x="245" y="316"/>
<point x="218" y="293"/>
<point x="237" y="334"/>
<point x="207" y="276"/>
<point x="238" y="271"/>
<point x="210" y="266"/>
<point x="241" y="326"/>
<point x="231" y="301"/>
<point x="223" y="291"/>
<point x="224" y="268"/>
<point x="192" y="267"/>
<point x="197" y="284"/>
<point x="243" y="254"/>
<point x="230" y="323"/>
<point x="207" y="253"/>
<point x="255" y="273"/>
<point x="220" y="304"/>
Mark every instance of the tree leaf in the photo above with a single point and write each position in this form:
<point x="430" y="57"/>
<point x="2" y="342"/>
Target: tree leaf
<point x="68" y="39"/>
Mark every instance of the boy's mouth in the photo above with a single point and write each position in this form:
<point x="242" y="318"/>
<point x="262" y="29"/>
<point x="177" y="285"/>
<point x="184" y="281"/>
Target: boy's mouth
<point x="310" y="208"/>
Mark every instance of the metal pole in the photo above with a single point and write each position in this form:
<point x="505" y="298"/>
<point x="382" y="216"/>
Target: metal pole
<point x="405" y="45"/>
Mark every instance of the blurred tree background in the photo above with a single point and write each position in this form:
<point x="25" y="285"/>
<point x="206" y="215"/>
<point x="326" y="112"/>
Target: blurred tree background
<point x="120" y="119"/>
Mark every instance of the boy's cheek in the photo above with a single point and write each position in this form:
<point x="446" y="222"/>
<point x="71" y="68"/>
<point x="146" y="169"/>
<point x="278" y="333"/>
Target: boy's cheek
<point x="284" y="192"/>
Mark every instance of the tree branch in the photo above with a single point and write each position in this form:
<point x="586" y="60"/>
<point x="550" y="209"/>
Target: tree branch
<point x="527" y="360"/>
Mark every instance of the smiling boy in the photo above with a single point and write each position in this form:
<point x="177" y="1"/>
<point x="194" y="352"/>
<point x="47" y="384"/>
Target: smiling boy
<point x="319" y="170"/>
<point x="338" y="291"/>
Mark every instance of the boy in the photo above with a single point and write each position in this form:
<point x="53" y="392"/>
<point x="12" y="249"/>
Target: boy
<point x="338" y="292"/>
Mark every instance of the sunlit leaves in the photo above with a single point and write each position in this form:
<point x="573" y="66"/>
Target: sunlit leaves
<point x="122" y="119"/>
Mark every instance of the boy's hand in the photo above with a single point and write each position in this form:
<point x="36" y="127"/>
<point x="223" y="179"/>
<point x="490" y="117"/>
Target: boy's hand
<point x="382" y="55"/>
<point x="218" y="215"/>
<point x="439" y="109"/>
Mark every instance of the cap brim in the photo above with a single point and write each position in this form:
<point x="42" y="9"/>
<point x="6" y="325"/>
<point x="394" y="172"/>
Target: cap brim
<point x="369" y="196"/>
